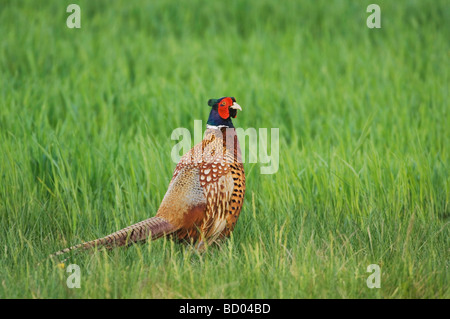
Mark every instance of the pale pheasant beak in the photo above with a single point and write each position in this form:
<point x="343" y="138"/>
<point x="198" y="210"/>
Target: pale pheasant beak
<point x="236" y="106"/>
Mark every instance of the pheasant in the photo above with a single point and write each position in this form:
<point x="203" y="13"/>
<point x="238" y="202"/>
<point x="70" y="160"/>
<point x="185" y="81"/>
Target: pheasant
<point x="205" y="196"/>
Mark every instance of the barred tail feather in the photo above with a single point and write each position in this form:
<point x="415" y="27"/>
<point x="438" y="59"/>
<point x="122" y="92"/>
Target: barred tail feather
<point x="155" y="227"/>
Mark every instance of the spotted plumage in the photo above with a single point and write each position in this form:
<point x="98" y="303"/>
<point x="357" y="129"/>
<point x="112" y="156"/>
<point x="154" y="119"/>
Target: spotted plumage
<point x="206" y="193"/>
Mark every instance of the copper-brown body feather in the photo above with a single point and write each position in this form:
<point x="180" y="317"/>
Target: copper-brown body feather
<point x="215" y="169"/>
<point x="203" y="200"/>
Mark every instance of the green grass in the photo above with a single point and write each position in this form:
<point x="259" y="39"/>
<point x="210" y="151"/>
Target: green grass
<point x="86" y="117"/>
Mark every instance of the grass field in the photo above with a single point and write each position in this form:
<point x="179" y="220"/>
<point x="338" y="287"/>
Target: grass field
<point x="86" y="117"/>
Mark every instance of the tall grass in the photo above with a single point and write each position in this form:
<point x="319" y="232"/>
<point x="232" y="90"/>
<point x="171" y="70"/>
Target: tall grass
<point x="86" y="117"/>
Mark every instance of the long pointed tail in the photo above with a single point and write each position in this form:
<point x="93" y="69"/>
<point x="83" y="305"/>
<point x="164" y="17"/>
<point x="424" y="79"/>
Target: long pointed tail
<point x="155" y="227"/>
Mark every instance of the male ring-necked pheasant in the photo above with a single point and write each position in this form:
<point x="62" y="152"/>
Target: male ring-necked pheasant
<point x="205" y="196"/>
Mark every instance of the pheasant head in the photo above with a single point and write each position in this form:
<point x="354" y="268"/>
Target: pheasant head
<point x="222" y="110"/>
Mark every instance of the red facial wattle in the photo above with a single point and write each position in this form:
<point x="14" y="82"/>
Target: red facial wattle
<point x="224" y="106"/>
<point x="224" y="112"/>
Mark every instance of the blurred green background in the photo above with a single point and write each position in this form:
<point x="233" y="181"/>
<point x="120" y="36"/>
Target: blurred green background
<point x="86" y="117"/>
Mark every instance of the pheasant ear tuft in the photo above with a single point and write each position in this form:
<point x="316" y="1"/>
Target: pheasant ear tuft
<point x="212" y="102"/>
